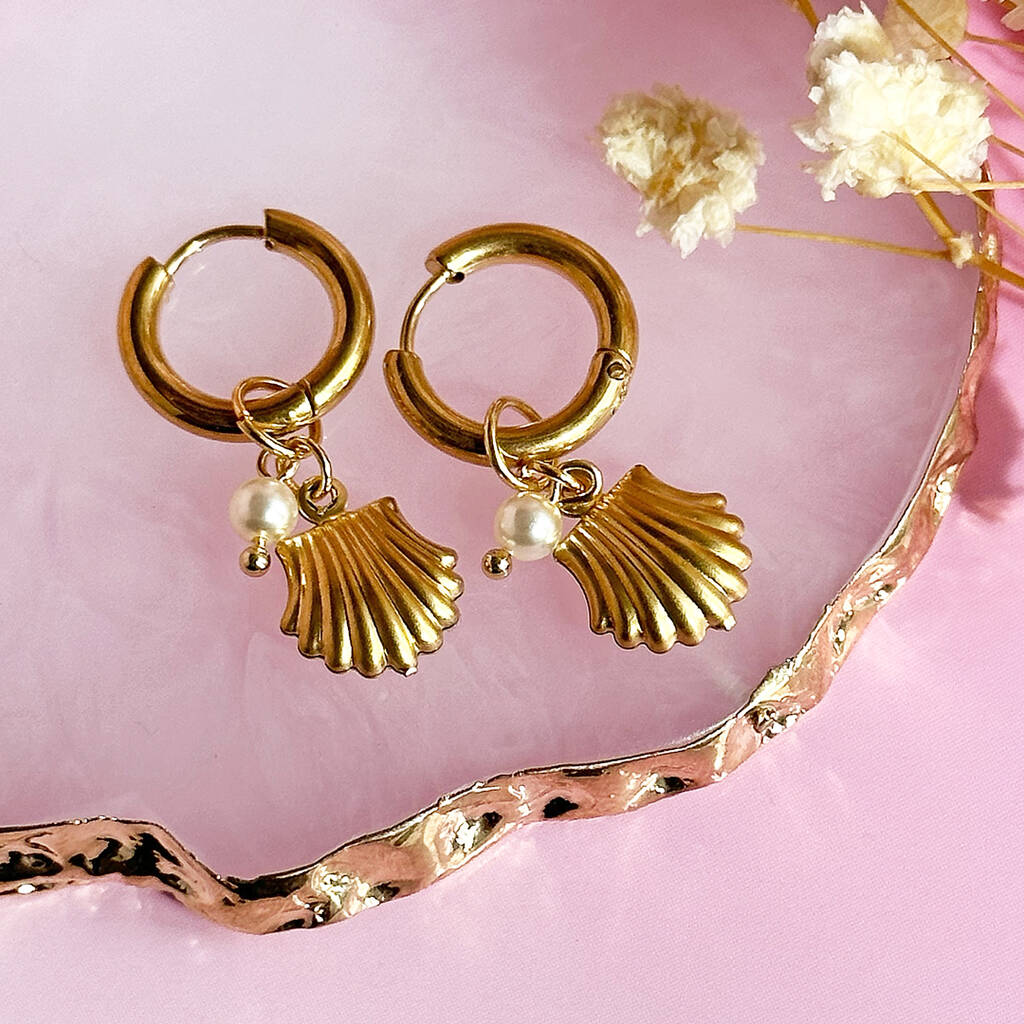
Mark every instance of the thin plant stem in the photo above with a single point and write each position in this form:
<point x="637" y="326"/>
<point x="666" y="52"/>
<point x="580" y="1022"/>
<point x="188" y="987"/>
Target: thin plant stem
<point x="860" y="243"/>
<point x="976" y="199"/>
<point x="994" y="41"/>
<point x="806" y="8"/>
<point x="997" y="270"/>
<point x="1004" y="144"/>
<point x="957" y="56"/>
<point x="978" y="186"/>
<point x="983" y="263"/>
<point x="940" y="225"/>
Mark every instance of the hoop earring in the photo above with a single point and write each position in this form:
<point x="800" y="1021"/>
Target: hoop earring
<point x="658" y="565"/>
<point x="365" y="590"/>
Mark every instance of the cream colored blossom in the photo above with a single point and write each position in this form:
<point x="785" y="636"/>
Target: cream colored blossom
<point x="947" y="17"/>
<point x="867" y="100"/>
<point x="694" y="164"/>
<point x="855" y="32"/>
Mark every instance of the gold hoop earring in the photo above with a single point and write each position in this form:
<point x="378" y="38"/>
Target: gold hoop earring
<point x="658" y="565"/>
<point x="365" y="590"/>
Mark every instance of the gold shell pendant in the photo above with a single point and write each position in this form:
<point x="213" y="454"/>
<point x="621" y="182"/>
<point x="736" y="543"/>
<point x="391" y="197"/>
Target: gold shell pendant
<point x="366" y="591"/>
<point x="658" y="565"/>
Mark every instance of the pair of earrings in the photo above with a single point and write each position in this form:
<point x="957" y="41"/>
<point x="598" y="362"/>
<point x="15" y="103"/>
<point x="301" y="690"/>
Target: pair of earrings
<point x="366" y="591"/>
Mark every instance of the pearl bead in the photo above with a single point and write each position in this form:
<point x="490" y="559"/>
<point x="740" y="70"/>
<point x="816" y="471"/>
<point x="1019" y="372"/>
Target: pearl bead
<point x="263" y="507"/>
<point x="528" y="526"/>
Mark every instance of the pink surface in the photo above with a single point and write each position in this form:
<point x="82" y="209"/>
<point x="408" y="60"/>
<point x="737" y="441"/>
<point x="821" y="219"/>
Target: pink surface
<point x="863" y="868"/>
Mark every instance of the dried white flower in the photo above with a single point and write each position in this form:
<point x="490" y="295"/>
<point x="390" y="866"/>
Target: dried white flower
<point x="1015" y="19"/>
<point x="694" y="164"/>
<point x="867" y="101"/>
<point x="947" y="17"/>
<point x="847" y="31"/>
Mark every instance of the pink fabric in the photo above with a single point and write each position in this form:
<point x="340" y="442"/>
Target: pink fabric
<point x="865" y="867"/>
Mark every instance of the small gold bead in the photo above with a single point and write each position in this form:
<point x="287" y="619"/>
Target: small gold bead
<point x="255" y="560"/>
<point x="497" y="563"/>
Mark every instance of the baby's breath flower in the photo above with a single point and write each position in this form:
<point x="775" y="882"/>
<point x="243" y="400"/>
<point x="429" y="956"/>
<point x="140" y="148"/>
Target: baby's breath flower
<point x="694" y="164"/>
<point x="947" y="17"/>
<point x="868" y="98"/>
<point x="847" y="31"/>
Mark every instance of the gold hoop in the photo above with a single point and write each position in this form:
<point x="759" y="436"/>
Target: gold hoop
<point x="290" y="409"/>
<point x="610" y="370"/>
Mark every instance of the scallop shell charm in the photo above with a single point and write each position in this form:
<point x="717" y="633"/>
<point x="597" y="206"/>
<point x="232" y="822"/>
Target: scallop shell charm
<point x="366" y="591"/>
<point x="658" y="565"/>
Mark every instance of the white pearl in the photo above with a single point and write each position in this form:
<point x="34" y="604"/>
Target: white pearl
<point x="528" y="526"/>
<point x="263" y="507"/>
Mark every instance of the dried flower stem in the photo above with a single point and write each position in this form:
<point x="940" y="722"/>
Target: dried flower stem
<point x="940" y="225"/>
<point x="860" y="243"/>
<point x="960" y="58"/>
<point x="806" y="8"/>
<point x="994" y="41"/>
<point x="982" y="263"/>
<point x="997" y="270"/>
<point x="959" y="186"/>
<point x="990" y="186"/>
<point x="1009" y="146"/>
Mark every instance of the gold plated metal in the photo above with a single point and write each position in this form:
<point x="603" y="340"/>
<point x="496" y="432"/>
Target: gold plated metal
<point x="496" y="563"/>
<point x="365" y="590"/>
<point x="610" y="370"/>
<point x="496" y="454"/>
<point x="257" y="432"/>
<point x="261" y="434"/>
<point x="451" y="832"/>
<point x="658" y="565"/>
<point x="300" y="403"/>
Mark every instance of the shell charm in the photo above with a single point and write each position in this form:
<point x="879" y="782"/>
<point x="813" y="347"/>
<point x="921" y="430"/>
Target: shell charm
<point x="658" y="565"/>
<point x="366" y="591"/>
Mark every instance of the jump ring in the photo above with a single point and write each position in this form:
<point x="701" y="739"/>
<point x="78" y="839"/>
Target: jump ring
<point x="308" y="504"/>
<point x="555" y="473"/>
<point x="284" y="469"/>
<point x="305" y="447"/>
<point x="255" y="430"/>
<point x="587" y="483"/>
<point x="495" y="455"/>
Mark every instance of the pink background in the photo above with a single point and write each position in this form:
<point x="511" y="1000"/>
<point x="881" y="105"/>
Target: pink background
<point x="865" y="867"/>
